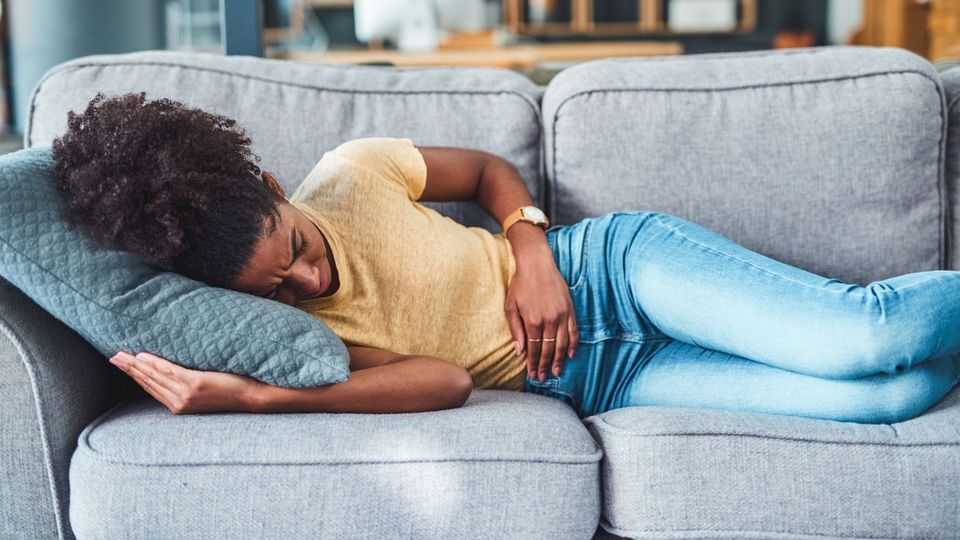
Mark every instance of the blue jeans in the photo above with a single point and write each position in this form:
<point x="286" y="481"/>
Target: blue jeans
<point x="673" y="314"/>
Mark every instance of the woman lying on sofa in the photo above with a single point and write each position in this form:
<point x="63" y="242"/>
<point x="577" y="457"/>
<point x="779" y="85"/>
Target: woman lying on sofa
<point x="625" y="309"/>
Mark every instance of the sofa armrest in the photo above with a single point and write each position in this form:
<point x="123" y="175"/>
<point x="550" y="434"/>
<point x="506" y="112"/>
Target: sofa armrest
<point x="52" y="384"/>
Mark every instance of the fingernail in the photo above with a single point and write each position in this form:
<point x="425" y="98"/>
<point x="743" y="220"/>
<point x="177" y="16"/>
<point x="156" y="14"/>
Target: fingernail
<point x="516" y="345"/>
<point x="543" y="377"/>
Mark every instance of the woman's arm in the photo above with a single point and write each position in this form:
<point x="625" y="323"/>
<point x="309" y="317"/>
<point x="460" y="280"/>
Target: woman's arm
<point x="383" y="382"/>
<point x="407" y="384"/>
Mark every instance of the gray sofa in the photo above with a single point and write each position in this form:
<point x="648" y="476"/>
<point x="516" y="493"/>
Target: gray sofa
<point x="841" y="160"/>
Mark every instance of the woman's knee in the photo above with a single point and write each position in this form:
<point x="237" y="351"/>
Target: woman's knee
<point x="890" y="399"/>
<point x="879" y="342"/>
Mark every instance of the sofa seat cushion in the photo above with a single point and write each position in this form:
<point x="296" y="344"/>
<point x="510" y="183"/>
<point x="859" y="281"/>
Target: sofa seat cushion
<point x="505" y="465"/>
<point x="710" y="473"/>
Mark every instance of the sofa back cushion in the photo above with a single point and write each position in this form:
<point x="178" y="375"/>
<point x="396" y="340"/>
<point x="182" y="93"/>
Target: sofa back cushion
<point x="295" y="111"/>
<point x="829" y="158"/>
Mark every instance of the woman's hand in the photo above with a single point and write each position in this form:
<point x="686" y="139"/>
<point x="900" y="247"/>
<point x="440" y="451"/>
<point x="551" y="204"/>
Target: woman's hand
<point x="538" y="306"/>
<point x="188" y="391"/>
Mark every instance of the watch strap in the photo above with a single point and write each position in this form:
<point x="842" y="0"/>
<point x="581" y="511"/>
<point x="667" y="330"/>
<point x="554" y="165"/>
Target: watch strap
<point x="517" y="215"/>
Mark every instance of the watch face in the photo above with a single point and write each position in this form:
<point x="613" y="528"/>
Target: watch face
<point x="534" y="212"/>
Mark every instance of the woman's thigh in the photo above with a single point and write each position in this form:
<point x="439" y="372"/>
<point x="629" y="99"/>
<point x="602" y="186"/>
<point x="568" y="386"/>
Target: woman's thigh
<point x="699" y="287"/>
<point x="683" y="375"/>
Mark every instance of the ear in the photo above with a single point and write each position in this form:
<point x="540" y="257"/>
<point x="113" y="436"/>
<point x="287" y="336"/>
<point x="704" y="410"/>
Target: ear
<point x="272" y="182"/>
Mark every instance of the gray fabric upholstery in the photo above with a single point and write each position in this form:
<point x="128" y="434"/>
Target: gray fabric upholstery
<point x="505" y="465"/>
<point x="829" y="159"/>
<point x="698" y="473"/>
<point x="53" y="384"/>
<point x="951" y="84"/>
<point x="869" y="204"/>
<point x="294" y="112"/>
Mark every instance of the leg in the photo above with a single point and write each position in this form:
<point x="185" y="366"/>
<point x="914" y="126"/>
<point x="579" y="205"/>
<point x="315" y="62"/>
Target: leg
<point x="700" y="287"/>
<point x="684" y="375"/>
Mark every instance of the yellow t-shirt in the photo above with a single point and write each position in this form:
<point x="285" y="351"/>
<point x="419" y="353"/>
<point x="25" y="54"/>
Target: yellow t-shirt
<point x="412" y="281"/>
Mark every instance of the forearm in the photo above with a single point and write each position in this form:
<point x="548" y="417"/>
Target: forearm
<point x="410" y="385"/>
<point x="501" y="191"/>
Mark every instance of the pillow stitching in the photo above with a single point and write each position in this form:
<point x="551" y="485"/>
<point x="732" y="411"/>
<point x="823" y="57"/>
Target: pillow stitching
<point x="165" y="324"/>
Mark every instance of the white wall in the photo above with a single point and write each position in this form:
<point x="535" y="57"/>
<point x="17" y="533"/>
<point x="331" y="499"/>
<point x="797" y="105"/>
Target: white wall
<point x="843" y="18"/>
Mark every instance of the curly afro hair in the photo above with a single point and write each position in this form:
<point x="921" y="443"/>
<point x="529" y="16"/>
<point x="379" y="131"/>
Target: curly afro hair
<point x="178" y="186"/>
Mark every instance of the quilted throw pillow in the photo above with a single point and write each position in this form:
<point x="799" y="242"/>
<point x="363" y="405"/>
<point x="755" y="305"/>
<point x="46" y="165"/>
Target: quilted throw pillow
<point x="117" y="300"/>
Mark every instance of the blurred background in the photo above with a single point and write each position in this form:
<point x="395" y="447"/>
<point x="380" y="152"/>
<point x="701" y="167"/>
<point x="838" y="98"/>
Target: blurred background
<point x="535" y="37"/>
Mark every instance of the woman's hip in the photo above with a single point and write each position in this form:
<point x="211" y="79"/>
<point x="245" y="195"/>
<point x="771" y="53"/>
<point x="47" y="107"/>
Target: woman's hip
<point x="592" y="256"/>
<point x="599" y="375"/>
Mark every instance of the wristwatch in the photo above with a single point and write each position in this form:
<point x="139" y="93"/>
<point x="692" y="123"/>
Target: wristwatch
<point x="530" y="214"/>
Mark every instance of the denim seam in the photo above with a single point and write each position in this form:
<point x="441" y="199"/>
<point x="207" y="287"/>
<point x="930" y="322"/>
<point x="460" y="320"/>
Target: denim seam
<point x="733" y="257"/>
<point x="584" y="253"/>
<point x="641" y="338"/>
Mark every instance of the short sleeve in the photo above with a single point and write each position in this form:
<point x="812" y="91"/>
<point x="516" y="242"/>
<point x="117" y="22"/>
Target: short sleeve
<point x="392" y="159"/>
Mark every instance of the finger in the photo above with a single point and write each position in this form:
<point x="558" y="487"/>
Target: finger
<point x="574" y="336"/>
<point x="560" y="349"/>
<point x="534" y="331"/>
<point x="156" y="372"/>
<point x="516" y="328"/>
<point x="163" y="397"/>
<point x="149" y="382"/>
<point x="546" y="351"/>
<point x="166" y="366"/>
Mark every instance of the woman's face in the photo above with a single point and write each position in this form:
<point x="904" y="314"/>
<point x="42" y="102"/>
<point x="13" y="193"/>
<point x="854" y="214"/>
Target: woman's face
<point x="291" y="263"/>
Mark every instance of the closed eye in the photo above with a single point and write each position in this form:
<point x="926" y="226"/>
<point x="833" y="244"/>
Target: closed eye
<point x="303" y="246"/>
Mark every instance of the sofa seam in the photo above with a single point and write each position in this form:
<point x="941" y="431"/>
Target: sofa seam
<point x="942" y="257"/>
<point x="602" y="424"/>
<point x="942" y="194"/>
<point x="64" y="69"/>
<point x="780" y="534"/>
<point x="727" y="55"/>
<point x="950" y="214"/>
<point x="84" y="445"/>
<point x="102" y="458"/>
<point x="21" y="347"/>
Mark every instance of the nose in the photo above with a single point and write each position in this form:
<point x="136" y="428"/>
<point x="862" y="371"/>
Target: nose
<point x="307" y="280"/>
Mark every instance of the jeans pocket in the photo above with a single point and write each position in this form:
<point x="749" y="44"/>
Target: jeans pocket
<point x="550" y="388"/>
<point x="570" y="243"/>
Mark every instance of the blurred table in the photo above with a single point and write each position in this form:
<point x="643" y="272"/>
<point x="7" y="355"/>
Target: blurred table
<point x="512" y="57"/>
